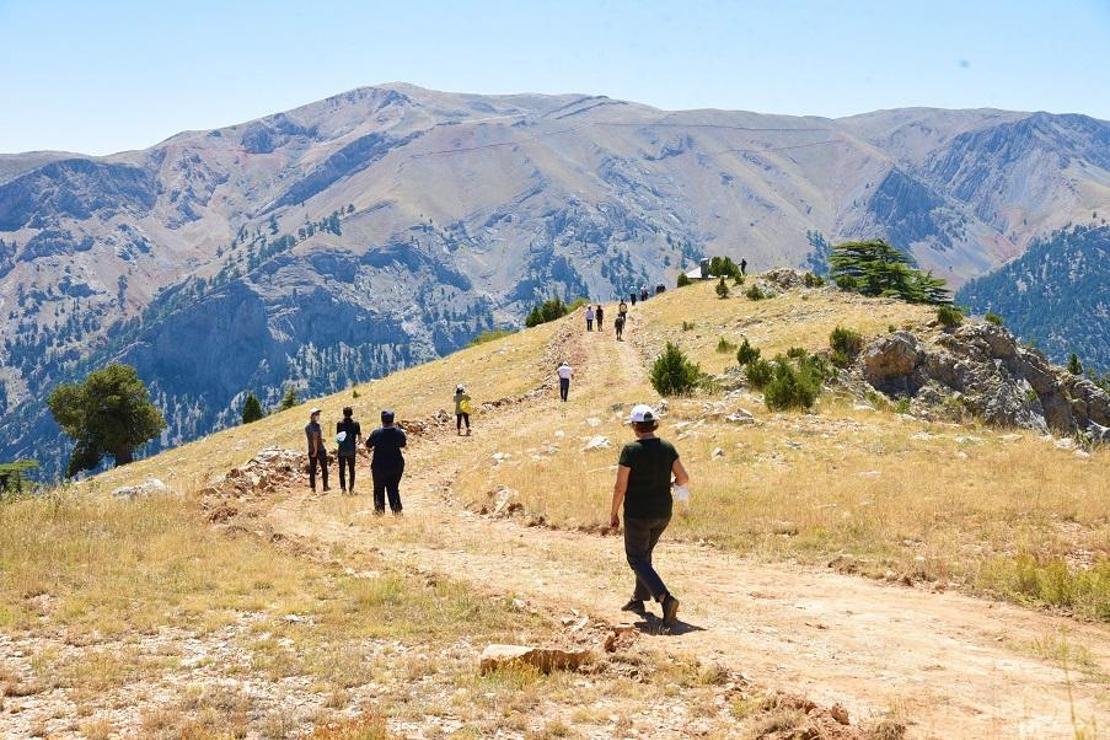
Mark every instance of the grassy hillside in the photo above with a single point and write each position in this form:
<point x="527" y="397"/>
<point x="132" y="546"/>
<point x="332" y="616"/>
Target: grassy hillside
<point x="138" y="616"/>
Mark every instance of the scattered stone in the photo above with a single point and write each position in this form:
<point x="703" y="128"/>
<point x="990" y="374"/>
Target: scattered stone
<point x="1010" y="437"/>
<point x="789" y="529"/>
<point x="1082" y="454"/>
<point x="148" y="487"/>
<point x="840" y="714"/>
<point x="1065" y="444"/>
<point x="863" y="407"/>
<point x="717" y="453"/>
<point x="593" y="422"/>
<point x="870" y="474"/>
<point x="597" y="443"/>
<point x="500" y="457"/>
<point x="546" y="660"/>
<point x="741" y="416"/>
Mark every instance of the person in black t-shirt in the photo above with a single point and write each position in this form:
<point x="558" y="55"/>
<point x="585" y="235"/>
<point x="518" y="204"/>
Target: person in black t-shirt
<point x="348" y="434"/>
<point x="317" y="452"/>
<point x="644" y="487"/>
<point x="388" y="464"/>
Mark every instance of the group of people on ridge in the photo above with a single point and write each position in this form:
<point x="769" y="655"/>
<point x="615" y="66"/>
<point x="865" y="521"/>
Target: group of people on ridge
<point x="387" y="462"/>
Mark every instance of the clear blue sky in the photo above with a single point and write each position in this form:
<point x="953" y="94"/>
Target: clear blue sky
<point x="102" y="76"/>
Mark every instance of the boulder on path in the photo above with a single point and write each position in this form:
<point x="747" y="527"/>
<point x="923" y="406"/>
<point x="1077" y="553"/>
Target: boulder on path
<point x="148" y="487"/>
<point x="597" y="443"/>
<point x="546" y="660"/>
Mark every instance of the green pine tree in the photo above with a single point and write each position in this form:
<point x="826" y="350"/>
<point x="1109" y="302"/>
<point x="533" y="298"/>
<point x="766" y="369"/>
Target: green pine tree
<point x="252" y="409"/>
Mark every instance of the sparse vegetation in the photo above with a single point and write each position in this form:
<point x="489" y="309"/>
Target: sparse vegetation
<point x="289" y="400"/>
<point x="725" y="347"/>
<point x="252" y="409"/>
<point x="550" y="310"/>
<point x="758" y="372"/>
<point x="110" y="413"/>
<point x="746" y="353"/>
<point x="673" y="374"/>
<point x="1075" y="367"/>
<point x="687" y="325"/>
<point x="489" y="336"/>
<point x="813" y="280"/>
<point x="682" y="280"/>
<point x="724" y="267"/>
<point x="993" y="318"/>
<point x="846" y="345"/>
<point x="950" y="316"/>
<point x="722" y="288"/>
<point x="755" y="293"/>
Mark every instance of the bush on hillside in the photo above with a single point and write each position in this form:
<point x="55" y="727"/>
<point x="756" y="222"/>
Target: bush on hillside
<point x="550" y="310"/>
<point x="754" y="293"/>
<point x="683" y="280"/>
<point x="993" y="318"/>
<point x="758" y="372"/>
<point x="875" y="268"/>
<point x="687" y="325"/>
<point x="724" y="267"/>
<point x="791" y="387"/>
<point x="578" y="303"/>
<point x="949" y="316"/>
<point x="725" y="347"/>
<point x="846" y="345"/>
<point x="252" y="409"/>
<point x="812" y="280"/>
<point x="289" y="400"/>
<point x="747" y="353"/>
<point x="1075" y="367"/>
<point x="722" y="289"/>
<point x="673" y="374"/>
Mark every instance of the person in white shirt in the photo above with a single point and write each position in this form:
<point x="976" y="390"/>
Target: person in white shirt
<point x="565" y="373"/>
<point x="589" y="318"/>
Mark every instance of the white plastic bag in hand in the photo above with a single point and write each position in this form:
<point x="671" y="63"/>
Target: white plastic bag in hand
<point x="682" y="496"/>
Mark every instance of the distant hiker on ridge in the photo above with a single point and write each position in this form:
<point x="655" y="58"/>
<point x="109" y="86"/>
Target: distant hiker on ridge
<point x="622" y="308"/>
<point x="632" y="296"/>
<point x="743" y="267"/>
<point x="317" y="453"/>
<point x="643" y="293"/>
<point x="618" y="324"/>
<point x="348" y="435"/>
<point x="388" y="464"/>
<point x="589" y="318"/>
<point x="462" y="410"/>
<point x="565" y="373"/>
<point x="644" y="488"/>
<point x="600" y="312"/>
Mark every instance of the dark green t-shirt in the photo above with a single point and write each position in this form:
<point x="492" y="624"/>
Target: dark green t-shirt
<point x="649" y="480"/>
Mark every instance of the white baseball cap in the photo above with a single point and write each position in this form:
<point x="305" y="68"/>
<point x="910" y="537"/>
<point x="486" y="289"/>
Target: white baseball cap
<point x="641" y="412"/>
<point x="314" y="412"/>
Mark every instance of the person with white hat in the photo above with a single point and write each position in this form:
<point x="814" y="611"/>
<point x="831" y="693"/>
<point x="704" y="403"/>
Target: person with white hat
<point x="462" y="410"/>
<point x="565" y="373"/>
<point x="643" y="487"/>
<point x="317" y="452"/>
<point x="348" y="435"/>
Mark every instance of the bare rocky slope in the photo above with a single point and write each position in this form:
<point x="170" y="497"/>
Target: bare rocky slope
<point x="388" y="225"/>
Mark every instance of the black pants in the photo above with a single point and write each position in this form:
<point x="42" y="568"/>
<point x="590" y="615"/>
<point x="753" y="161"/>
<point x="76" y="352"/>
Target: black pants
<point x="322" y="461"/>
<point x="589" y="324"/>
<point x="599" y="323"/>
<point x="347" y="463"/>
<point x="640" y="537"/>
<point x="387" y="480"/>
<point x="620" y="329"/>
<point x="460" y="419"/>
<point x="564" y="388"/>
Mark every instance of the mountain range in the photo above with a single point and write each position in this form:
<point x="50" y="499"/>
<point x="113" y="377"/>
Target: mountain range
<point x="388" y="225"/>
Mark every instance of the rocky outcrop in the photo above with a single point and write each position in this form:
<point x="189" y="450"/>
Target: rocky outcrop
<point x="984" y="370"/>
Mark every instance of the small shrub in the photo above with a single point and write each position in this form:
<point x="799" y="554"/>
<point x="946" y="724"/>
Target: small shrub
<point x="289" y="400"/>
<point x="550" y="310"/>
<point x="725" y="347"/>
<point x="758" y="372"/>
<point x="252" y="409"/>
<point x="747" y="353"/>
<point x="846" y="345"/>
<point x="847" y="283"/>
<point x="791" y="387"/>
<point x="737" y="280"/>
<point x="683" y="280"/>
<point x="812" y="280"/>
<point x="577" y="304"/>
<point x="1075" y="367"/>
<point x="949" y="316"/>
<point x="994" y="318"/>
<point x="722" y="289"/>
<point x="672" y="374"/>
<point x="755" y="294"/>
<point x="687" y="325"/>
<point x="355" y="393"/>
<point x="902" y="406"/>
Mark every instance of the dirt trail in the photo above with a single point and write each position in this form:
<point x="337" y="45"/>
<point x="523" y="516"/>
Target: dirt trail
<point x="943" y="662"/>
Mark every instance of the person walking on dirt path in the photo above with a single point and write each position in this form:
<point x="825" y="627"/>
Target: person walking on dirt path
<point x="632" y="296"/>
<point x="317" y="452"/>
<point x="643" y="293"/>
<point x="644" y="488"/>
<point x="565" y="373"/>
<point x="388" y="464"/>
<point x="348" y="435"/>
<point x="618" y="324"/>
<point x="600" y="313"/>
<point x="743" y="267"/>
<point x="622" y="308"/>
<point x="589" y="318"/>
<point x="462" y="410"/>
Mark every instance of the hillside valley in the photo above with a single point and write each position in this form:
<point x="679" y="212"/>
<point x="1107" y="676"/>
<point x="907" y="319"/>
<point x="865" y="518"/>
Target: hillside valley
<point x="387" y="226"/>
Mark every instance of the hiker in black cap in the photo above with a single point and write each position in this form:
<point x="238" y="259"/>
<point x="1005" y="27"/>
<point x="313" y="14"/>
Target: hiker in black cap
<point x="600" y="313"/>
<point x="618" y="324"/>
<point x="388" y="464"/>
<point x="317" y="452"/>
<point x="643" y="486"/>
<point x="348" y="434"/>
<point x="743" y="267"/>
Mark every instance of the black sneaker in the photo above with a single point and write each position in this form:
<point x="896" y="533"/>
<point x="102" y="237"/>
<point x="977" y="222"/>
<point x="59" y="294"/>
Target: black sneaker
<point x="670" y="611"/>
<point x="634" y="605"/>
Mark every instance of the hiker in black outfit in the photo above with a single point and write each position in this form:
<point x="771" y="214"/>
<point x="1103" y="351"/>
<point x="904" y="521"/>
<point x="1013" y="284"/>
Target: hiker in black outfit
<point x="618" y="324"/>
<point x="388" y="464"/>
<point x="632" y="295"/>
<point x="644" y="488"/>
<point x="348" y="434"/>
<point x="600" y="313"/>
<point x="743" y="267"/>
<point x="317" y="453"/>
<point x="622" y="308"/>
<point x="643" y="293"/>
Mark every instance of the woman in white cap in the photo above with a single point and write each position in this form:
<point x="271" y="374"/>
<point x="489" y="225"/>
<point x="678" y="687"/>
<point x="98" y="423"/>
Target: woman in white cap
<point x="462" y="409"/>
<point x="644" y="488"/>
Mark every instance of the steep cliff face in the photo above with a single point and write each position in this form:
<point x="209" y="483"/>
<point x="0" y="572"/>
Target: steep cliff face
<point x="384" y="226"/>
